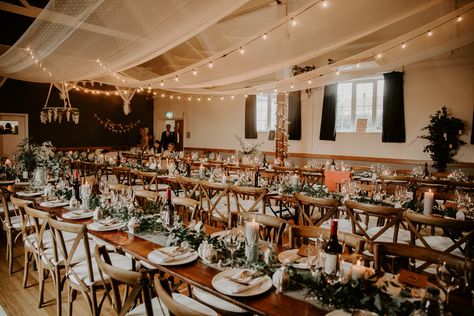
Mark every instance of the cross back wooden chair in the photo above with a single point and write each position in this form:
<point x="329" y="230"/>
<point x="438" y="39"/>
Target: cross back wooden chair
<point x="137" y="281"/>
<point x="190" y="187"/>
<point x="151" y="182"/>
<point x="390" y="257"/>
<point x="215" y="202"/>
<point x="247" y="199"/>
<point x="27" y="231"/>
<point x="308" y="207"/>
<point x="311" y="176"/>
<point x="41" y="241"/>
<point x="388" y="222"/>
<point x="272" y="229"/>
<point x="117" y="187"/>
<point x="123" y="175"/>
<point x="187" y="208"/>
<point x="454" y="236"/>
<point x="280" y="172"/>
<point x="299" y="235"/>
<point x="179" y="305"/>
<point x="12" y="225"/>
<point x="144" y="198"/>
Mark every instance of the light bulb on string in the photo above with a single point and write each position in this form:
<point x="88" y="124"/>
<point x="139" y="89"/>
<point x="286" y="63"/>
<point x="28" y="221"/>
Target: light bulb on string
<point x="246" y="95"/>
<point x="232" y="97"/>
<point x="199" y="99"/>
<point x="241" y="50"/>
<point x="194" y="72"/>
<point x="222" y="98"/>
<point x="309" y="81"/>
<point x="264" y="36"/>
<point x="292" y="86"/>
<point x="292" y="22"/>
<point x="176" y="79"/>
<point x="179" y="97"/>
<point x="324" y="3"/>
<point x="378" y="56"/>
<point x="162" y="95"/>
<point x="358" y="65"/>
<point x="162" y="83"/>
<point x="211" y="64"/>
<point x="208" y="98"/>
<point x="404" y="45"/>
<point x="189" y="98"/>
<point x="459" y="18"/>
<point x="429" y="33"/>
<point x="337" y="72"/>
<point x="171" y="97"/>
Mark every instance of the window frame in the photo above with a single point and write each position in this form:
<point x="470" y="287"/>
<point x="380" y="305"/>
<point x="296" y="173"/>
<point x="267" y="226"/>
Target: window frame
<point x="270" y="97"/>
<point x="354" y="83"/>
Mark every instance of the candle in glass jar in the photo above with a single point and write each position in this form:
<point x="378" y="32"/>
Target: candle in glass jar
<point x="445" y="135"/>
<point x="428" y="202"/>
<point x="252" y="232"/>
<point x="358" y="271"/>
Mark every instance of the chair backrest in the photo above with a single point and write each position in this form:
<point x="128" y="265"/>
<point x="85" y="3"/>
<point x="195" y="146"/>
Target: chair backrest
<point x="6" y="211"/>
<point x="298" y="235"/>
<point x="309" y="206"/>
<point x="191" y="187"/>
<point x="144" y="198"/>
<point x="272" y="228"/>
<point x="163" y="291"/>
<point x="389" y="217"/>
<point x="117" y="187"/>
<point x="311" y="176"/>
<point x="460" y="232"/>
<point x="239" y="194"/>
<point x="19" y="209"/>
<point x="122" y="174"/>
<point x="149" y="180"/>
<point x="138" y="283"/>
<point x="187" y="208"/>
<point x="384" y="258"/>
<point x="38" y="220"/>
<point x="71" y="253"/>
<point x="213" y="195"/>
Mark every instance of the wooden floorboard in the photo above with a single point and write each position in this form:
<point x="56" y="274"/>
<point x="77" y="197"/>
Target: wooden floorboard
<point x="17" y="301"/>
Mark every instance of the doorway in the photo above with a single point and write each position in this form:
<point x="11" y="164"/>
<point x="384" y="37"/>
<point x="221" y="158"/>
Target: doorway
<point x="13" y="129"/>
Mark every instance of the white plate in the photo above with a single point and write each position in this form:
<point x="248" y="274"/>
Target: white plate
<point x="177" y="262"/>
<point x="95" y="226"/>
<point x="74" y="215"/>
<point x="5" y="182"/>
<point x="29" y="194"/>
<point x="54" y="204"/>
<point x="258" y="289"/>
<point x="395" y="291"/>
<point x="341" y="312"/>
<point x="298" y="265"/>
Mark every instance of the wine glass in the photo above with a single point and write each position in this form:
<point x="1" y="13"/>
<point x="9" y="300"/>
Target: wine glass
<point x="232" y="242"/>
<point x="103" y="187"/>
<point x="447" y="278"/>
<point x="313" y="251"/>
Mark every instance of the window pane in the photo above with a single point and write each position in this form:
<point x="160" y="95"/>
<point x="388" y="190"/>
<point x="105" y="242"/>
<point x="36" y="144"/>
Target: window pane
<point x="364" y="100"/>
<point x="379" y="109"/>
<point x="262" y="112"/>
<point x="344" y="107"/>
<point x="273" y="108"/>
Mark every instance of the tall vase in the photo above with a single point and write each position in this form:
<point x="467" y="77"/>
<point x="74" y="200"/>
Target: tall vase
<point x="40" y="177"/>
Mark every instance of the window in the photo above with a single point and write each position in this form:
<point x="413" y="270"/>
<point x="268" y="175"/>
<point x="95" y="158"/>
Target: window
<point x="359" y="99"/>
<point x="266" y="112"/>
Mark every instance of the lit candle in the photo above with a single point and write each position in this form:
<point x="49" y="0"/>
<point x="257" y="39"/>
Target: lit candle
<point x="358" y="271"/>
<point x="445" y="135"/>
<point x="428" y="202"/>
<point x="251" y="232"/>
<point x="460" y="132"/>
<point x="450" y="146"/>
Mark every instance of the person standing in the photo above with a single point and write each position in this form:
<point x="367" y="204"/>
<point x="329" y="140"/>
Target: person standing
<point x="167" y="137"/>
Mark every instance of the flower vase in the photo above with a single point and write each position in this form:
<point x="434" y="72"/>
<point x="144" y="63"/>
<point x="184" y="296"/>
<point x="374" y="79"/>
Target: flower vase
<point x="40" y="177"/>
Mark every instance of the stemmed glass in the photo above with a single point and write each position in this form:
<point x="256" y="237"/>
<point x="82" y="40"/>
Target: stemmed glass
<point x="447" y="278"/>
<point x="232" y="242"/>
<point x="313" y="251"/>
<point x="104" y="187"/>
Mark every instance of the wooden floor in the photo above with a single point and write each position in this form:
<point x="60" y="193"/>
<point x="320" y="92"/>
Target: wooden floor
<point x="17" y="301"/>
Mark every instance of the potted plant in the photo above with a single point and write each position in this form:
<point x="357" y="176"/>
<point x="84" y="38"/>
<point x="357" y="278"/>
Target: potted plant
<point x="443" y="134"/>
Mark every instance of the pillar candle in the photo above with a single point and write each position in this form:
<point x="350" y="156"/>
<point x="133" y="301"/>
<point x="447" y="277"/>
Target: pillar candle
<point x="252" y="232"/>
<point x="358" y="271"/>
<point x="428" y="202"/>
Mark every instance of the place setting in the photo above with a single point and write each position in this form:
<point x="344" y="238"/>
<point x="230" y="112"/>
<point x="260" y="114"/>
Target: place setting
<point x="174" y="255"/>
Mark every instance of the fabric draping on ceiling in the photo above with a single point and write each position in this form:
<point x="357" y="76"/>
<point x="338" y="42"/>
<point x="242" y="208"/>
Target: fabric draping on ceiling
<point x="79" y="40"/>
<point x="127" y="96"/>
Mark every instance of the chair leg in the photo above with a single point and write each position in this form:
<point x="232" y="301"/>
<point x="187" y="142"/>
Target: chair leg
<point x="57" y="283"/>
<point x="71" y="297"/>
<point x="10" y="251"/>
<point x="25" y="267"/>
<point x="41" y="278"/>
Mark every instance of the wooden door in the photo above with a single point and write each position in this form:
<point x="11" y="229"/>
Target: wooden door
<point x="179" y="130"/>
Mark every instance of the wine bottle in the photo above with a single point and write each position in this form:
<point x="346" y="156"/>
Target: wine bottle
<point x="169" y="209"/>
<point x="117" y="160"/>
<point x="76" y="185"/>
<point x="264" y="161"/>
<point x="426" y="173"/>
<point x="332" y="251"/>
<point x="257" y="177"/>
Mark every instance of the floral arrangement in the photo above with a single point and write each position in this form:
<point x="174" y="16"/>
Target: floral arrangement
<point x="8" y="170"/>
<point x="247" y="148"/>
<point x="443" y="134"/>
<point x="31" y="156"/>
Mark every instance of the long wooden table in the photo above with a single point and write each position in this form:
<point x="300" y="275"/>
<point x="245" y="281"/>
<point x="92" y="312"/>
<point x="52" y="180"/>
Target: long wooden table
<point x="195" y="273"/>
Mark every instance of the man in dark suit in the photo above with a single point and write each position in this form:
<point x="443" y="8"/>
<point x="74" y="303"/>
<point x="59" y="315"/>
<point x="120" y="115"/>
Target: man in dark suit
<point x="167" y="137"/>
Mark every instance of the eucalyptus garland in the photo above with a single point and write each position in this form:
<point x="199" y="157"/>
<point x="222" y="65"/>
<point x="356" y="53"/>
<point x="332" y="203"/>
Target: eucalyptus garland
<point x="316" y="191"/>
<point x="354" y="294"/>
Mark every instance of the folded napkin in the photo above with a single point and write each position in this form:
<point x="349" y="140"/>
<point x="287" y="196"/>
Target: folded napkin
<point x="54" y="203"/>
<point x="77" y="214"/>
<point x="292" y="258"/>
<point x="226" y="285"/>
<point x="166" y="255"/>
<point x="24" y="193"/>
<point x="102" y="226"/>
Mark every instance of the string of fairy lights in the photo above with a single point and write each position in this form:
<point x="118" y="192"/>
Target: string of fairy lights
<point x="280" y="86"/>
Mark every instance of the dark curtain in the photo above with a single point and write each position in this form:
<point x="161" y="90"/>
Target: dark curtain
<point x="393" y="119"/>
<point x="251" y="116"/>
<point x="294" y="115"/>
<point x="328" y="118"/>
<point x="472" y="129"/>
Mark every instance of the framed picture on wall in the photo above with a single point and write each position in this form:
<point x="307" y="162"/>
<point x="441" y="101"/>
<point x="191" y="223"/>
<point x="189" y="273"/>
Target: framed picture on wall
<point x="9" y="127"/>
<point x="271" y="135"/>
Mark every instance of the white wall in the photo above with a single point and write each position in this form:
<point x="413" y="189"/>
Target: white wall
<point x="428" y="86"/>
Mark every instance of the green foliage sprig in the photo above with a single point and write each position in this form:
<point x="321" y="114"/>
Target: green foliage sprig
<point x="443" y="134"/>
<point x="317" y="191"/>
